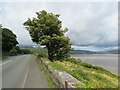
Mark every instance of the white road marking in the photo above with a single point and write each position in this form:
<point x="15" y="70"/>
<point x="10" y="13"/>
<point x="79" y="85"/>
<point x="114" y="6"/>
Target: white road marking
<point x="5" y="62"/>
<point x="25" y="78"/>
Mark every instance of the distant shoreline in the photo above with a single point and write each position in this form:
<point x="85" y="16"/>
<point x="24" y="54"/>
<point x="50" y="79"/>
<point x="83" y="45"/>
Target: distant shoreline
<point x="107" y="61"/>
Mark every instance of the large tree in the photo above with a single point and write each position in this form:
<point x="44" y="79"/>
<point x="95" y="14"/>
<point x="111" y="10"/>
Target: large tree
<point x="0" y="39"/>
<point x="8" y="39"/>
<point x="46" y="29"/>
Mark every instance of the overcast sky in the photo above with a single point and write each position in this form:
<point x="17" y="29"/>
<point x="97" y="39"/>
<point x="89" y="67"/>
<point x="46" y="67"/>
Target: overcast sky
<point x="92" y="25"/>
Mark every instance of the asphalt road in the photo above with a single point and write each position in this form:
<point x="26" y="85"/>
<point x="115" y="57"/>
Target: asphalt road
<point x="107" y="61"/>
<point x="22" y="72"/>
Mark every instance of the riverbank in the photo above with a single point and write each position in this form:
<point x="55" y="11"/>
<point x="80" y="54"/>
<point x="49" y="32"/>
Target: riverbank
<point x="107" y="61"/>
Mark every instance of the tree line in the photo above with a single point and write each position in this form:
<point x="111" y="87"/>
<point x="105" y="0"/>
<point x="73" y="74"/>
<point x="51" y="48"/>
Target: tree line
<point x="10" y="43"/>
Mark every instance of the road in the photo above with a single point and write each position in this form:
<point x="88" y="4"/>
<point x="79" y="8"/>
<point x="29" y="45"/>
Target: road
<point x="22" y="72"/>
<point x="107" y="61"/>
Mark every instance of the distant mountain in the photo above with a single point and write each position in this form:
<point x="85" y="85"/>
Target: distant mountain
<point x="25" y="46"/>
<point x="111" y="52"/>
<point x="95" y="52"/>
<point x="84" y="52"/>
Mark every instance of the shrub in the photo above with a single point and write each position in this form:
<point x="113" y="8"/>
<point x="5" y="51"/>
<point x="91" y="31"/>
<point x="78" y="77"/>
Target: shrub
<point x="93" y="67"/>
<point x="25" y="51"/>
<point x="87" y="65"/>
<point x="16" y="50"/>
<point x="73" y="60"/>
<point x="13" y="52"/>
<point x="42" y="55"/>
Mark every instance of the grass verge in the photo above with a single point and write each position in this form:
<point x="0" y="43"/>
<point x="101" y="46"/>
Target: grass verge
<point x="5" y="55"/>
<point x="91" y="76"/>
<point x="48" y="76"/>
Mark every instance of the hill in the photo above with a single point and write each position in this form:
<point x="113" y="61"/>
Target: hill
<point x="83" y="52"/>
<point x="111" y="52"/>
<point x="95" y="52"/>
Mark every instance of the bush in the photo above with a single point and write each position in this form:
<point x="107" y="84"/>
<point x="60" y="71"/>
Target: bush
<point x="42" y="55"/>
<point x="25" y="51"/>
<point x="78" y="61"/>
<point x="13" y="52"/>
<point x="16" y="50"/>
<point x="93" y="67"/>
<point x="87" y="65"/>
<point x="73" y="60"/>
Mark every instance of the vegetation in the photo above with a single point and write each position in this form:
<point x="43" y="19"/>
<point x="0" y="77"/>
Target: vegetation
<point x="47" y="30"/>
<point x="91" y="76"/>
<point x="48" y="76"/>
<point x="0" y="41"/>
<point x="40" y="52"/>
<point x="5" y="55"/>
<point x="16" y="50"/>
<point x="8" y="40"/>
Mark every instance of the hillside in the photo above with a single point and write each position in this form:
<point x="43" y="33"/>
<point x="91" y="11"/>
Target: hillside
<point x="111" y="52"/>
<point x="83" y="52"/>
<point x="95" y="52"/>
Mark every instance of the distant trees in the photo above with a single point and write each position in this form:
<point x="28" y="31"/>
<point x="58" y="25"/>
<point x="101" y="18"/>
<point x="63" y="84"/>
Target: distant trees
<point x="9" y="43"/>
<point x="8" y="39"/>
<point x="46" y="29"/>
<point x="16" y="50"/>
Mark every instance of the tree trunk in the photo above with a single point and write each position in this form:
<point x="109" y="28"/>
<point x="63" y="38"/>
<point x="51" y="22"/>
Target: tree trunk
<point x="50" y="57"/>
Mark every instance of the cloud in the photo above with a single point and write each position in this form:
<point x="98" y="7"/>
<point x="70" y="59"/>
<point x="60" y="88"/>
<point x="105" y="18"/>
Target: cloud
<point x="97" y="26"/>
<point x="94" y="48"/>
<point x="89" y="23"/>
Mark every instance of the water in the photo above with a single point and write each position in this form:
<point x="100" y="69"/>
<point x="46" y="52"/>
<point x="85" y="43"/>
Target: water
<point x="107" y="61"/>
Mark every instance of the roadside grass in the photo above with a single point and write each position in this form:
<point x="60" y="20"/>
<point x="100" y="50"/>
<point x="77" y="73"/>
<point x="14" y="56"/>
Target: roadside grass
<point x="91" y="76"/>
<point x="5" y="55"/>
<point x="47" y="74"/>
<point x="40" y="52"/>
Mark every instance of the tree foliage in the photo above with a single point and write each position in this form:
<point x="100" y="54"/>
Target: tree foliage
<point x="16" y="50"/>
<point x="46" y="29"/>
<point x="8" y="39"/>
<point x="0" y="38"/>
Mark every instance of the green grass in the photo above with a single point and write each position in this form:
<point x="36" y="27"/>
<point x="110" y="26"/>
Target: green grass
<point x="40" y="52"/>
<point x="48" y="76"/>
<point x="89" y="67"/>
<point x="5" y="55"/>
<point x="91" y="76"/>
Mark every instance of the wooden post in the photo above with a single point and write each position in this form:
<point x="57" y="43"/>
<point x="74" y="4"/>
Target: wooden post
<point x="66" y="85"/>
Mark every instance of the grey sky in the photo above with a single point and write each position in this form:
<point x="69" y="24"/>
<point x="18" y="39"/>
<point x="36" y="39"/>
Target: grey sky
<point x="92" y="25"/>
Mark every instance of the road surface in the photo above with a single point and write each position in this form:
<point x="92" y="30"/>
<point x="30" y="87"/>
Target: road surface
<point x="107" y="61"/>
<point x="22" y="72"/>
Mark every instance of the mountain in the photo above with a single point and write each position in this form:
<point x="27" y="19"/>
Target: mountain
<point x="25" y="46"/>
<point x="111" y="52"/>
<point x="95" y="52"/>
<point x="83" y="52"/>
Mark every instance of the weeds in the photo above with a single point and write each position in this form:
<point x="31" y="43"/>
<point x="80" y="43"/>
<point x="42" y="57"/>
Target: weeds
<point x="90" y="75"/>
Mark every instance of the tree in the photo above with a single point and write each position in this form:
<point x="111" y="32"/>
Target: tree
<point x="8" y="39"/>
<point x="0" y="38"/>
<point x="46" y="29"/>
